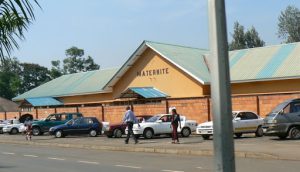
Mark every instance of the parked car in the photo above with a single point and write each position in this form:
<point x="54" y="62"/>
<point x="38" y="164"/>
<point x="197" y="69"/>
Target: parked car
<point x="82" y="125"/>
<point x="2" y="124"/>
<point x="284" y="120"/>
<point x="242" y="121"/>
<point x="118" y="129"/>
<point x="161" y="124"/>
<point x="42" y="126"/>
<point x="13" y="127"/>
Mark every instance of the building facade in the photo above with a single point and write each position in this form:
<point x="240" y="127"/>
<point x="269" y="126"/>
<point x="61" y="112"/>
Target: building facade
<point x="158" y="76"/>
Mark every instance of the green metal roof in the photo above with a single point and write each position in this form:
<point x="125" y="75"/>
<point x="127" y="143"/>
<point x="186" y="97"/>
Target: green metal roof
<point x="191" y="60"/>
<point x="72" y="84"/>
<point x="265" y="63"/>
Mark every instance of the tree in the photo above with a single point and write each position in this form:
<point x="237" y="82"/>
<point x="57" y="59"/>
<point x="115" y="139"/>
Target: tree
<point x="56" y="70"/>
<point x="33" y="75"/>
<point x="238" y="37"/>
<point x="252" y="39"/>
<point x="242" y="40"/>
<point x="289" y="24"/>
<point x="73" y="63"/>
<point x="9" y="84"/>
<point x="15" y="16"/>
<point x="9" y="78"/>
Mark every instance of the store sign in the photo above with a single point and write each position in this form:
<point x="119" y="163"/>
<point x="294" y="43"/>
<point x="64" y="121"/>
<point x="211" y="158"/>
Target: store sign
<point x="153" y="72"/>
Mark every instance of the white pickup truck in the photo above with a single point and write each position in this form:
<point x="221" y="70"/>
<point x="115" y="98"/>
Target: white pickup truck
<point x="13" y="127"/>
<point x="243" y="122"/>
<point x="161" y="124"/>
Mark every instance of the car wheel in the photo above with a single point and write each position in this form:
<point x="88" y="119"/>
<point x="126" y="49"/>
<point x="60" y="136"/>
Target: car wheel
<point x="14" y="131"/>
<point x="58" y="134"/>
<point x="117" y="133"/>
<point x="294" y="133"/>
<point x="36" y="131"/>
<point x="185" y="132"/>
<point x="93" y="133"/>
<point x="148" y="133"/>
<point x="205" y="137"/>
<point x="259" y="132"/>
<point x="238" y="135"/>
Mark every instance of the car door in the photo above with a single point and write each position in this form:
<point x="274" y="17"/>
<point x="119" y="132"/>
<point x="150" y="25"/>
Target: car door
<point x="251" y="121"/>
<point x="85" y="126"/>
<point x="165" y="126"/>
<point x="240" y="123"/>
<point x="294" y="112"/>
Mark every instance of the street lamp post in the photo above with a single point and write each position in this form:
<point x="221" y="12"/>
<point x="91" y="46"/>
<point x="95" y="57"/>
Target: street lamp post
<point x="224" y="160"/>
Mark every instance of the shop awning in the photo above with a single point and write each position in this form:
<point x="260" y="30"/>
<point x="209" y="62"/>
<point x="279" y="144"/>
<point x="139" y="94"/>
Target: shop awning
<point x="43" y="101"/>
<point x="143" y="92"/>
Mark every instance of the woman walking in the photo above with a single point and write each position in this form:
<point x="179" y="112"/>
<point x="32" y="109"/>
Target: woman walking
<point x="175" y="121"/>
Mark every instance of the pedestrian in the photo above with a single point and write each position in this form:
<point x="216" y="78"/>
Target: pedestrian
<point x="28" y="128"/>
<point x="175" y="121"/>
<point x="130" y="119"/>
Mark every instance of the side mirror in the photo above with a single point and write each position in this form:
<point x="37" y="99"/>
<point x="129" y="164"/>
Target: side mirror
<point x="237" y="118"/>
<point x="281" y="112"/>
<point x="159" y="121"/>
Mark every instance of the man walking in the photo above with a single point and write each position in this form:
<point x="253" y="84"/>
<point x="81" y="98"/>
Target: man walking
<point x="130" y="119"/>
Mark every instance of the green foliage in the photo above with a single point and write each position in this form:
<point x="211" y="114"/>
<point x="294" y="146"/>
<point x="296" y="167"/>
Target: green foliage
<point x="33" y="75"/>
<point x="17" y="78"/>
<point x="289" y="24"/>
<point x="73" y="63"/>
<point x="242" y="40"/>
<point x="15" y="16"/>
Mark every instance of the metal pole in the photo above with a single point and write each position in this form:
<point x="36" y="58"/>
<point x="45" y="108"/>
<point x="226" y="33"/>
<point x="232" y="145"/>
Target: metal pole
<point x="220" y="88"/>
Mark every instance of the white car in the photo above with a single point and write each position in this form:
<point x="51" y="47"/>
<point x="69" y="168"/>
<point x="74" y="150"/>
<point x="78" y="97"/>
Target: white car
<point x="161" y="124"/>
<point x="2" y="124"/>
<point x="14" y="127"/>
<point x="242" y="121"/>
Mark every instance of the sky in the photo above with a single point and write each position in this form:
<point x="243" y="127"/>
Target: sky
<point x="111" y="30"/>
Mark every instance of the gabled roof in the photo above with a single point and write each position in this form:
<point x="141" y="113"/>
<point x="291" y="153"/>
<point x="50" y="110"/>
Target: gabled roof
<point x="247" y="65"/>
<point x="8" y="106"/>
<point x="73" y="84"/>
<point x="265" y="63"/>
<point x="188" y="59"/>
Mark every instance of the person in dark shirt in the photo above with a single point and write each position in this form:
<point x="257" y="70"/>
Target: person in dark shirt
<point x="175" y="121"/>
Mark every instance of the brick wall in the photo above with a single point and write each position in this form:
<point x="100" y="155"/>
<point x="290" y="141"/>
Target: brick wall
<point x="149" y="109"/>
<point x="114" y="114"/>
<point x="91" y="112"/>
<point x="195" y="108"/>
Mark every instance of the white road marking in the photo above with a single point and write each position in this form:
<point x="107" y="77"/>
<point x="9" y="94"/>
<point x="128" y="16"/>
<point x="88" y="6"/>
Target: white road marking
<point x="59" y="159"/>
<point x="200" y="167"/>
<point x="88" y="162"/>
<point x="127" y="166"/>
<point x="34" y="156"/>
<point x="171" y="171"/>
<point x="8" y="153"/>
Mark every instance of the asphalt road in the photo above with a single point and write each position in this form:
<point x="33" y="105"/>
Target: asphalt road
<point x="16" y="158"/>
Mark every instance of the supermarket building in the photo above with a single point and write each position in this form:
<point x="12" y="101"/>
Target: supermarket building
<point x="157" y="76"/>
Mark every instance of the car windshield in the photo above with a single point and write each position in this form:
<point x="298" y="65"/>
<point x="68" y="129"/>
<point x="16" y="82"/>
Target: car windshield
<point x="279" y="107"/>
<point x="153" y="119"/>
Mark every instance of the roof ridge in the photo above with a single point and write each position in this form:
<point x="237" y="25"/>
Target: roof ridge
<point x="268" y="46"/>
<point x="147" y="41"/>
<point x="105" y="69"/>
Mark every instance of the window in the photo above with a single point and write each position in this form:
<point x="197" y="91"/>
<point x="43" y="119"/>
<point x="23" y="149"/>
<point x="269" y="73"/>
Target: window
<point x="250" y="115"/>
<point x="87" y="121"/>
<point x="295" y="107"/>
<point x="55" y="117"/>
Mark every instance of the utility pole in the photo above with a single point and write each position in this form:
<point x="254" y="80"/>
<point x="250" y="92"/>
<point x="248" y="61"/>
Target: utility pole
<point x="224" y="160"/>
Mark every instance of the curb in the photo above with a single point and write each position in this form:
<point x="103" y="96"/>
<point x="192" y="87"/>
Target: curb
<point x="240" y="154"/>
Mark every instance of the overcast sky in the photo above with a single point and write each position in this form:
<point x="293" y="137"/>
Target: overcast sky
<point x="111" y="30"/>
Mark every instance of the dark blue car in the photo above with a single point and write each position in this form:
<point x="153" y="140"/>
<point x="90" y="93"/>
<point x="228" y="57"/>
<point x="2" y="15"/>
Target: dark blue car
<point x="83" y="125"/>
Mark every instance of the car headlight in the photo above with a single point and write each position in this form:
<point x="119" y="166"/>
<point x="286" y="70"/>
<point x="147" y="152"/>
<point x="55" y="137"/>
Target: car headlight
<point x="272" y="121"/>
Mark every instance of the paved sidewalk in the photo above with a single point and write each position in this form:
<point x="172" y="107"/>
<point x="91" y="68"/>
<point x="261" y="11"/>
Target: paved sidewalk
<point x="248" y="147"/>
